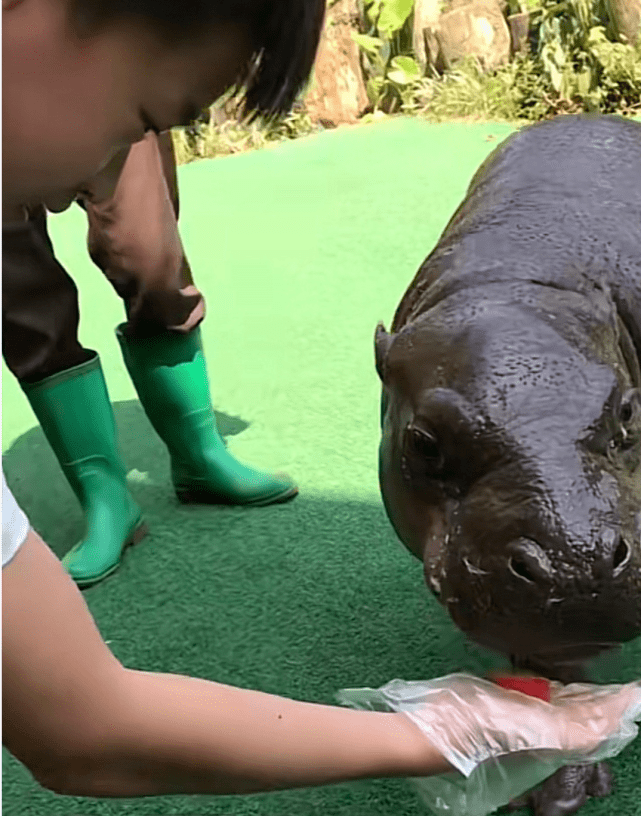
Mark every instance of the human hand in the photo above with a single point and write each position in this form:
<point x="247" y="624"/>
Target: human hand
<point x="470" y="720"/>
<point x="595" y="716"/>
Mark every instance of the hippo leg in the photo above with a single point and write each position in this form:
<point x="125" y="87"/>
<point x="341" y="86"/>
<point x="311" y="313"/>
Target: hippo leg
<point x="570" y="787"/>
<point x="567" y="791"/>
<point x="602" y="782"/>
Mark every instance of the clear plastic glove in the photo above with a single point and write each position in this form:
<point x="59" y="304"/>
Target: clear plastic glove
<point x="502" y="742"/>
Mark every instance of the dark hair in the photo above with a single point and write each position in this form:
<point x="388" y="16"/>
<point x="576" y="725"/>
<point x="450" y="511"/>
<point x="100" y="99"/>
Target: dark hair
<point x="285" y="36"/>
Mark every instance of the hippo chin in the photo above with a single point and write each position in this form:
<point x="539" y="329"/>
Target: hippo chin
<point x="510" y="458"/>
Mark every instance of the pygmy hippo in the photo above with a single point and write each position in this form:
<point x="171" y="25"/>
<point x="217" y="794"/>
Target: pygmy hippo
<point x="510" y="458"/>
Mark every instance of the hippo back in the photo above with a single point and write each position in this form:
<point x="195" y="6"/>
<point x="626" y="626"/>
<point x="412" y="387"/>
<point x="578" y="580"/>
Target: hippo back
<point x="557" y="204"/>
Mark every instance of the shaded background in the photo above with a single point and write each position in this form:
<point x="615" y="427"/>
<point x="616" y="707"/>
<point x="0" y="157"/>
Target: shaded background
<point x="300" y="249"/>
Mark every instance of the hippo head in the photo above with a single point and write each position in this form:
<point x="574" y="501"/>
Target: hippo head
<point x="510" y="464"/>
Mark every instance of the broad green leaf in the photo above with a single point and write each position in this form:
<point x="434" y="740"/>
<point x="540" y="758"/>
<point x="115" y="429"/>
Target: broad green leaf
<point x="398" y="77"/>
<point x="597" y="36"/>
<point x="552" y="69"/>
<point x="568" y="87"/>
<point x="409" y="67"/>
<point x="394" y="13"/>
<point x="559" y="55"/>
<point x="369" y="44"/>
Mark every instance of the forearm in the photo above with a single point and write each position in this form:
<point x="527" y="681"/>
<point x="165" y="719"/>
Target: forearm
<point x="176" y="734"/>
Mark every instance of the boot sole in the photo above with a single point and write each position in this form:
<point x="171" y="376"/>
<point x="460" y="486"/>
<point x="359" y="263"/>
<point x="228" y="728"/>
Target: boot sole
<point x="200" y="496"/>
<point x="136" y="537"/>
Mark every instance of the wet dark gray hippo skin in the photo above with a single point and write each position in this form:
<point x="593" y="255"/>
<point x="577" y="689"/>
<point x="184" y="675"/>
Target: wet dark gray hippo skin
<point x="510" y="457"/>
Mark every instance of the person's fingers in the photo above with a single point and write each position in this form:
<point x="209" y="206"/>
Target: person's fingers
<point x="592" y="714"/>
<point x="591" y="691"/>
<point x="579" y="718"/>
<point x="609" y="701"/>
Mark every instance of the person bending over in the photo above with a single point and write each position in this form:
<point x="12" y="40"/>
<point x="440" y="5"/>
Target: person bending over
<point x="81" y="79"/>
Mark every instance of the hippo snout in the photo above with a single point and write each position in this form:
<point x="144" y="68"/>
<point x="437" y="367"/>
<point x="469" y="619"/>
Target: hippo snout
<point x="529" y="564"/>
<point x="524" y="598"/>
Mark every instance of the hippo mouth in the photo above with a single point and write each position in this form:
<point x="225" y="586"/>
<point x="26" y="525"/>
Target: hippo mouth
<point x="525" y="644"/>
<point x="529" y="646"/>
<point x="552" y="633"/>
<point x="568" y="655"/>
<point x="567" y="665"/>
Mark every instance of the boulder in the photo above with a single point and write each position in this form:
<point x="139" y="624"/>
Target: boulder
<point x="477" y="28"/>
<point x="626" y="16"/>
<point x="337" y="93"/>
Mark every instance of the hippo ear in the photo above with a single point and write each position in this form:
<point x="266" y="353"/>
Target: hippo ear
<point x="382" y="342"/>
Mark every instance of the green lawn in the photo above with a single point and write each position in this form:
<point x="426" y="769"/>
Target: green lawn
<point x="300" y="249"/>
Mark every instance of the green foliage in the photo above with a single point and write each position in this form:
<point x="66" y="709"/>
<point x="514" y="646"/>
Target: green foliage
<point x="581" y="59"/>
<point x="520" y="6"/>
<point x="391" y="73"/>
<point x="565" y="54"/>
<point x="390" y="15"/>
<point x="516" y="91"/>
<point x="578" y="64"/>
<point x="619" y="73"/>
<point x="209" y="138"/>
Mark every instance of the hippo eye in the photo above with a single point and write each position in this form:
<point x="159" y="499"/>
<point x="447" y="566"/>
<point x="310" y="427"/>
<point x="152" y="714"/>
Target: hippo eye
<point x="628" y="413"/>
<point x="423" y="455"/>
<point x="621" y="558"/>
<point x="424" y="444"/>
<point x="629" y="406"/>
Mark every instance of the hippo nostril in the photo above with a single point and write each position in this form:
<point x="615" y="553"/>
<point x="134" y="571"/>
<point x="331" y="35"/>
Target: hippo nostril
<point x="621" y="557"/>
<point x="520" y="568"/>
<point x="528" y="561"/>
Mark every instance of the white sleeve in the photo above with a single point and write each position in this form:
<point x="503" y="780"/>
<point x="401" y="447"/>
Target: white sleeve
<point x="15" y="524"/>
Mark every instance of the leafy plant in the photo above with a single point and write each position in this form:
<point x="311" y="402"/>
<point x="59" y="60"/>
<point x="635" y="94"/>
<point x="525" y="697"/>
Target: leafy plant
<point x="578" y="64"/>
<point x="514" y="91"/>
<point x="522" y="6"/>
<point x="209" y="138"/>
<point x="390" y="71"/>
<point x="389" y="15"/>
<point x="580" y="57"/>
<point x="620" y="72"/>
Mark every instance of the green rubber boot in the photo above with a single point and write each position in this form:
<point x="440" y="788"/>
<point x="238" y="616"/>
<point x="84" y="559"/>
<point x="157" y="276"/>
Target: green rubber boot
<point x="76" y="416"/>
<point x="170" y="376"/>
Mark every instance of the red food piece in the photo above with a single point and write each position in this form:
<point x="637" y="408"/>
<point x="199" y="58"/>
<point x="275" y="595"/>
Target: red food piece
<point x="537" y="687"/>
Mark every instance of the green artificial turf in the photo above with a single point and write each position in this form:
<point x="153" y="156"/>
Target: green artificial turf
<point x="299" y="249"/>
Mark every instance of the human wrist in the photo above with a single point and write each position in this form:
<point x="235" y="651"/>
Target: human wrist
<point x="416" y="755"/>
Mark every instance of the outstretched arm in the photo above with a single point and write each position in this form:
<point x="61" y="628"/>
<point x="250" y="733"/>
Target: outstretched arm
<point x="85" y="725"/>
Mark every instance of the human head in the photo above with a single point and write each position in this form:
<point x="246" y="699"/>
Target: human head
<point x="83" y="77"/>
